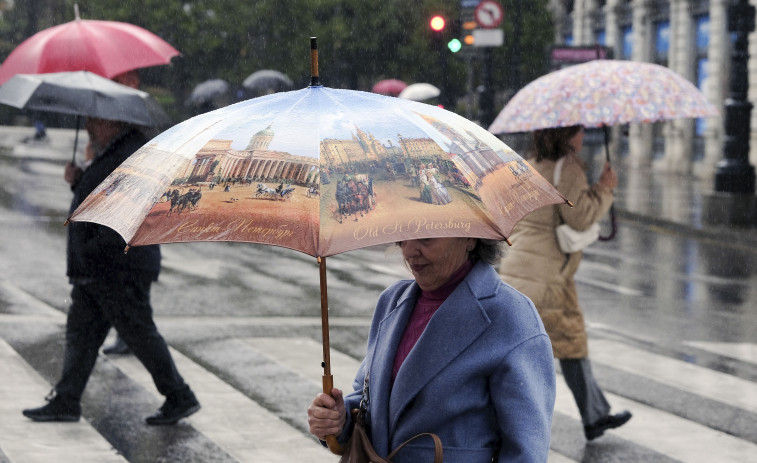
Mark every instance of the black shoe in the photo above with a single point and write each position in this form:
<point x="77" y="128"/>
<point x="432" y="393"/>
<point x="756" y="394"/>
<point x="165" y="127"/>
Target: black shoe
<point x="178" y="405"/>
<point x="118" y="347"/>
<point x="57" y="409"/>
<point x="595" y="430"/>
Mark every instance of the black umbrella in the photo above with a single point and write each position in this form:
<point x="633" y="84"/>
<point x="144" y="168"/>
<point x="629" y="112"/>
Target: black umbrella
<point x="83" y="94"/>
<point x="213" y="92"/>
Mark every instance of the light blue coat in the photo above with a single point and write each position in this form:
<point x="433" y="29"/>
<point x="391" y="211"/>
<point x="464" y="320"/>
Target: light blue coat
<point x="481" y="376"/>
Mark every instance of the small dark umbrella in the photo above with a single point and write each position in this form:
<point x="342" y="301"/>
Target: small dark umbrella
<point x="391" y="87"/>
<point x="212" y="92"/>
<point x="268" y="80"/>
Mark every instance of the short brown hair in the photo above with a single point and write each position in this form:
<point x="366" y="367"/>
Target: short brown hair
<point x="552" y="144"/>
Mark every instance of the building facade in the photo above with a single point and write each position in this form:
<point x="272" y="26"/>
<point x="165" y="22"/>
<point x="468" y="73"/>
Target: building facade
<point x="690" y="37"/>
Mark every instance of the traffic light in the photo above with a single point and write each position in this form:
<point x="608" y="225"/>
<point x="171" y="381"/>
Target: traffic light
<point x="454" y="45"/>
<point x="437" y="24"/>
<point x="468" y="28"/>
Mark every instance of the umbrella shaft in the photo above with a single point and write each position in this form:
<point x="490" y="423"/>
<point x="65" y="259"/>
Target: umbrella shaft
<point x="325" y="321"/>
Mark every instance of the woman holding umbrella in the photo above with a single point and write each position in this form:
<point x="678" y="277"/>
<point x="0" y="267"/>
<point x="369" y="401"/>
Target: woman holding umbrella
<point x="543" y="272"/>
<point x="454" y="352"/>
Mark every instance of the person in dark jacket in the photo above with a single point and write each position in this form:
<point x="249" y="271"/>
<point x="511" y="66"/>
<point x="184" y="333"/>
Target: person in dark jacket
<point x="111" y="288"/>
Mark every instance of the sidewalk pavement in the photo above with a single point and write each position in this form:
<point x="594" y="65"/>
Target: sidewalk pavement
<point x="667" y="200"/>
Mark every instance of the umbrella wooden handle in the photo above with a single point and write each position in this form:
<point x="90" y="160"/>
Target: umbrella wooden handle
<point x="331" y="442"/>
<point x="314" y="77"/>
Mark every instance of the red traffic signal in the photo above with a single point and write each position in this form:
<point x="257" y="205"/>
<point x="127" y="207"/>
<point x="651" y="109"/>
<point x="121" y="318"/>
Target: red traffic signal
<point x="437" y="23"/>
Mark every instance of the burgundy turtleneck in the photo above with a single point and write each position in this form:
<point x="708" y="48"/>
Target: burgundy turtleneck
<point x="425" y="307"/>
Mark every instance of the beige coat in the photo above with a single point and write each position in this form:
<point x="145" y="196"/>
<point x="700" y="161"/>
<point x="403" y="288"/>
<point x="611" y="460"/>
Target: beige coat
<point x="538" y="268"/>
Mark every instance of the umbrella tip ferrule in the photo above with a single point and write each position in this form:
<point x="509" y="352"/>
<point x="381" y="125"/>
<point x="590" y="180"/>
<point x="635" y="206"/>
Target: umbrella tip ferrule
<point x="509" y="243"/>
<point x="568" y="202"/>
<point x="76" y="12"/>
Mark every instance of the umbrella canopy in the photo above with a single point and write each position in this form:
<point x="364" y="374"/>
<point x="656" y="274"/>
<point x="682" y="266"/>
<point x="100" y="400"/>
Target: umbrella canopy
<point x="321" y="171"/>
<point x="212" y="91"/>
<point x="107" y="48"/>
<point x="420" y="92"/>
<point x="390" y="87"/>
<point x="602" y="93"/>
<point x="84" y="94"/>
<point x="268" y="80"/>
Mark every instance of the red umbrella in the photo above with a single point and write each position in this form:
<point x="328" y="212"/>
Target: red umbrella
<point x="391" y="87"/>
<point x="106" y="48"/>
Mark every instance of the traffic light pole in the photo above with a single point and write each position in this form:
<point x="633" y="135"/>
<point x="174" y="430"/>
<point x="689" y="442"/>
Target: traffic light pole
<point x="444" y="98"/>
<point x="734" y="173"/>
<point x="733" y="202"/>
<point x="486" y="96"/>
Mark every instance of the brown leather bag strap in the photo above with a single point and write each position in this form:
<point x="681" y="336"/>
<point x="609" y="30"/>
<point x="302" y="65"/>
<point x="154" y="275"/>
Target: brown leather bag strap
<point x="438" y="450"/>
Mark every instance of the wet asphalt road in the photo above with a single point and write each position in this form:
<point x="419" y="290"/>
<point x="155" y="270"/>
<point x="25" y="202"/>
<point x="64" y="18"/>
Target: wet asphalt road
<point x="653" y="295"/>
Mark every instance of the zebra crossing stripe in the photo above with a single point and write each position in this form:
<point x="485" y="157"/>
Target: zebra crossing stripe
<point x="303" y="356"/>
<point x="30" y="442"/>
<point x="685" y="376"/>
<point x="744" y="351"/>
<point x="665" y="433"/>
<point x="233" y="421"/>
<point x="555" y="457"/>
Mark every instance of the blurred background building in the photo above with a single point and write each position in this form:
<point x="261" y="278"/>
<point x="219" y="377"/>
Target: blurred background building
<point x="689" y="36"/>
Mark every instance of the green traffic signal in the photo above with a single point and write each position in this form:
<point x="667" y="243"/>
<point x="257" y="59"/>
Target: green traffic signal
<point x="454" y="45"/>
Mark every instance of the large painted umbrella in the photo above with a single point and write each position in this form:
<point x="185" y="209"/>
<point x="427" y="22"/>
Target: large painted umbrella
<point x="106" y="48"/>
<point x="322" y="171"/>
<point x="602" y="93"/>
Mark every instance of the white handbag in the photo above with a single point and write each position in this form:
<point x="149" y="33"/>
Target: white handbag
<point x="569" y="239"/>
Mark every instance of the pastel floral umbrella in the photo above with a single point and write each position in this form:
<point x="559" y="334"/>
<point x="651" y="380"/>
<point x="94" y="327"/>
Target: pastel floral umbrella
<point x="321" y="171"/>
<point x="602" y="93"/>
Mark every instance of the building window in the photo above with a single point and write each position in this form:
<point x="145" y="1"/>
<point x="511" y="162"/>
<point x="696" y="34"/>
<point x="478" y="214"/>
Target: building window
<point x="702" y="40"/>
<point x="627" y="34"/>
<point x="662" y="42"/>
<point x="601" y="37"/>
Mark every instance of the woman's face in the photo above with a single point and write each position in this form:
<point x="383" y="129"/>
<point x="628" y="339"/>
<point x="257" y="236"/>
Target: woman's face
<point x="434" y="260"/>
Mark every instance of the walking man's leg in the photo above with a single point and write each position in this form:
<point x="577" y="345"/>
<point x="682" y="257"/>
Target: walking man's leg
<point x="131" y="315"/>
<point x="86" y="328"/>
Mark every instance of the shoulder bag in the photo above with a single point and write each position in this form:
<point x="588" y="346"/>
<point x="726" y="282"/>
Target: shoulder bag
<point x="360" y="449"/>
<point x="569" y="239"/>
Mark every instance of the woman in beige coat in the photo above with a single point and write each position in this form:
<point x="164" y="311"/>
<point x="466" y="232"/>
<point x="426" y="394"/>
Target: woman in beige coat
<point x="538" y="268"/>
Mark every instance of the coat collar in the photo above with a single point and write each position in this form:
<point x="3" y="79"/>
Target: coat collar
<point x="457" y="323"/>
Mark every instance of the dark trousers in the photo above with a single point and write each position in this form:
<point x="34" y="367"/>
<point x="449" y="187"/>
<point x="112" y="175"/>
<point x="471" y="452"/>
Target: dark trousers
<point x="126" y="306"/>
<point x="589" y="397"/>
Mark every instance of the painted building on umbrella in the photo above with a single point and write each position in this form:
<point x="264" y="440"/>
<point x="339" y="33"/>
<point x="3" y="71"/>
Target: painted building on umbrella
<point x="689" y="36"/>
<point x="361" y="148"/>
<point x="218" y="161"/>
<point x="364" y="148"/>
<point x="419" y="148"/>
